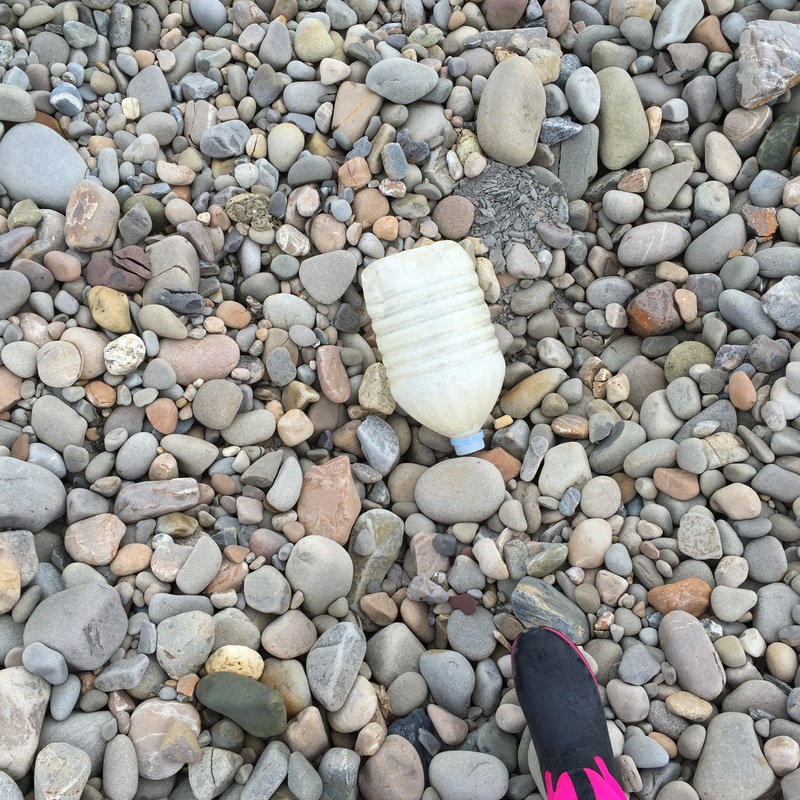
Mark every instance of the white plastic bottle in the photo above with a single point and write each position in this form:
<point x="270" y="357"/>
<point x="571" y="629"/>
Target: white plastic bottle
<point x="436" y="339"/>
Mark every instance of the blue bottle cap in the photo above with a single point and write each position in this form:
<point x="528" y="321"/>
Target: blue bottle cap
<point x="468" y="444"/>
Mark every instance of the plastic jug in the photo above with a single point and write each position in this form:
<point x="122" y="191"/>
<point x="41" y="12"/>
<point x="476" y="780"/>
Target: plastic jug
<point x="436" y="338"/>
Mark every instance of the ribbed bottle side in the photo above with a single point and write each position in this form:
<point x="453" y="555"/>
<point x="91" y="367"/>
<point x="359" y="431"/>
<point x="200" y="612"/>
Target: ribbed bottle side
<point x="436" y="321"/>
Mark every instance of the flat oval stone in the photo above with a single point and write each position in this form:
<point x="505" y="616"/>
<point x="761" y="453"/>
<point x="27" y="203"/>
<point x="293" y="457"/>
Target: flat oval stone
<point x="212" y="357"/>
<point x="624" y="133"/>
<point x="652" y="242"/>
<point x="460" y="490"/>
<point x="31" y="497"/>
<point x="86" y="624"/>
<point x="401" y="80"/>
<point x="688" y="648"/>
<point x="37" y="164"/>
<point x="259" y="709"/>
<point x="511" y="112"/>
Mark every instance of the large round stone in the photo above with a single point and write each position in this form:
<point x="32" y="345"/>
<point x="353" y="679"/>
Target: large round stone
<point x="37" y="164"/>
<point x="460" y="490"/>
<point x="31" y="496"/>
<point x="86" y="624"/>
<point x="511" y="112"/>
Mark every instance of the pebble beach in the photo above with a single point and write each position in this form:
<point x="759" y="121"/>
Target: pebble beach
<point x="230" y="565"/>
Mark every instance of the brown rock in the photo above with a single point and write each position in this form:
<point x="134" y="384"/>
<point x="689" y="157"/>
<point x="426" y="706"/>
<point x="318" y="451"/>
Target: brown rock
<point x="637" y="180"/>
<point x="620" y="10"/>
<point x="354" y="107"/>
<point x="556" y="13"/>
<point x="100" y="271"/>
<point x="763" y="222"/>
<point x="290" y="635"/>
<point x="100" y="394"/>
<point x="130" y="559"/>
<point x="92" y="216"/>
<point x="234" y="314"/>
<point x="333" y="379"/>
<point x="369" y="206"/>
<point x="454" y="216"/>
<point x="571" y="426"/>
<point x="450" y="729"/>
<point x="393" y="773"/>
<point x="211" y="357"/>
<point x="329" y="503"/>
<point x="94" y="540"/>
<point x="736" y="501"/>
<point x="502" y="14"/>
<point x="677" y="483"/>
<point x="327" y="233"/>
<point x="507" y="465"/>
<point x="10" y="386"/>
<point x="709" y="33"/>
<point x="162" y="414"/>
<point x="21" y="446"/>
<point x="653" y="312"/>
<point x="229" y="576"/>
<point x="691" y="595"/>
<point x="288" y="678"/>
<point x="354" y="173"/>
<point x="686" y="303"/>
<point x="741" y="391"/>
<point x="307" y="734"/>
<point x="63" y="266"/>
<point x="379" y="607"/>
<point x="386" y="228"/>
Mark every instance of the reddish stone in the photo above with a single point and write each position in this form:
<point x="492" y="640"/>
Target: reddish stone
<point x="101" y="272"/>
<point x="453" y="216"/>
<point x="653" y="312"/>
<point x="692" y="595"/>
<point x="230" y="575"/>
<point x="464" y="602"/>
<point x="507" y="465"/>
<point x="677" y="483"/>
<point x="329" y="501"/>
<point x="762" y="221"/>
<point x="133" y="259"/>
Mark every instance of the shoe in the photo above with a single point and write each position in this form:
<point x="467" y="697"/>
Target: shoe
<point x="561" y="703"/>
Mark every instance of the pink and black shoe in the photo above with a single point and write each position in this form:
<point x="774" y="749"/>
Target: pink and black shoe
<point x="558" y="695"/>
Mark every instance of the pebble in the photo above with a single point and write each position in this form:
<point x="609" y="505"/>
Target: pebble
<point x="85" y="624"/>
<point x="511" y="112"/>
<point x="40" y="165"/>
<point x="447" y="491"/>
<point x="687" y="647"/>
<point x="463" y="775"/>
<point x="731" y="759"/>
<point x="257" y="708"/>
